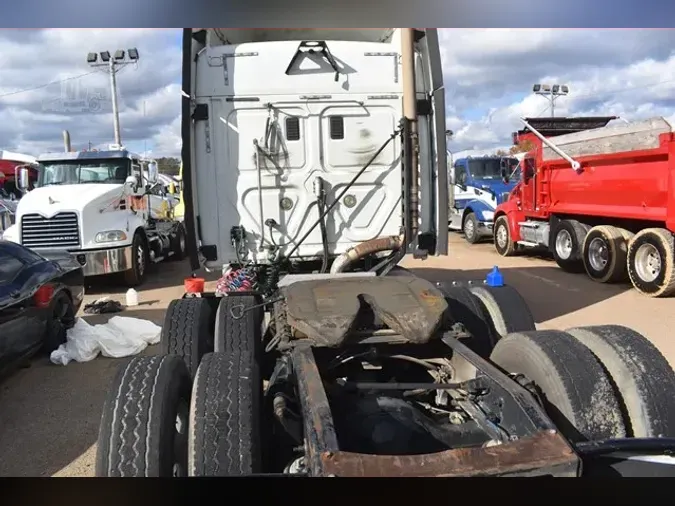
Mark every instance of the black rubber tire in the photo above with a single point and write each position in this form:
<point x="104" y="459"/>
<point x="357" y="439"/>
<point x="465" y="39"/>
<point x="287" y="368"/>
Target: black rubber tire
<point x="507" y="309"/>
<point x="243" y="334"/>
<point x="188" y="331"/>
<point x="62" y="317"/>
<point x="577" y="231"/>
<point x="225" y="422"/>
<point x="179" y="244"/>
<point x="139" y="435"/>
<point x="464" y="307"/>
<point x="664" y="242"/>
<point x="509" y="247"/>
<point x="643" y="378"/>
<point x="577" y="394"/>
<point x="615" y="244"/>
<point x="471" y="238"/>
<point x="139" y="262"/>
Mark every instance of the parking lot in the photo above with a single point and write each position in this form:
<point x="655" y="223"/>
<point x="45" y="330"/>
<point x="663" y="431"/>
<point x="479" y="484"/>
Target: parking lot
<point x="49" y="414"/>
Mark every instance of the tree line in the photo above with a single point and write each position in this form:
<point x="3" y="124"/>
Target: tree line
<point x="168" y="165"/>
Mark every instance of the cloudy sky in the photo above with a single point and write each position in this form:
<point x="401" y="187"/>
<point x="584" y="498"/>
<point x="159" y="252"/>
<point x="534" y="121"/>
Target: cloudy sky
<point x="488" y="76"/>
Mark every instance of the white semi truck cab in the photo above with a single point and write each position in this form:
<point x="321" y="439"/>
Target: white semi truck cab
<point x="294" y="150"/>
<point x="103" y="207"/>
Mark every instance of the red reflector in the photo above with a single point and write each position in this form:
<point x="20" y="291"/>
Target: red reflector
<point x="43" y="296"/>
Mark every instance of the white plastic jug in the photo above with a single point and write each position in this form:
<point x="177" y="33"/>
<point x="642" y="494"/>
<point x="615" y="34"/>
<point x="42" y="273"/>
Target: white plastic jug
<point x="132" y="297"/>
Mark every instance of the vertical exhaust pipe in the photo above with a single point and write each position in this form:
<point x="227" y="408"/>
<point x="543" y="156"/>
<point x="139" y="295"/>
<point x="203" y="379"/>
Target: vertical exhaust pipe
<point x="66" y="141"/>
<point x="410" y="130"/>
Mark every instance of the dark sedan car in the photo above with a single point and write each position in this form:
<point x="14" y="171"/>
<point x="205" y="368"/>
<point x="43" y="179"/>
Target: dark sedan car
<point x="39" y="299"/>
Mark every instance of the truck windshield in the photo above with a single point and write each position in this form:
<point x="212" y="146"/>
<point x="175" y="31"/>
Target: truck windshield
<point x="83" y="172"/>
<point x="488" y="168"/>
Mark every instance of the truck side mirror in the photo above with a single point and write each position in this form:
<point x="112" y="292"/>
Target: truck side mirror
<point x="23" y="181"/>
<point x="130" y="185"/>
<point x="153" y="172"/>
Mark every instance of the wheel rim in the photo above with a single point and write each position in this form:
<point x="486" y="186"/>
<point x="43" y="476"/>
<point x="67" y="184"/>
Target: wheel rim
<point x="181" y="243"/>
<point x="648" y="263"/>
<point x="598" y="254"/>
<point x="502" y="236"/>
<point x="469" y="229"/>
<point x="179" y="469"/>
<point x="563" y="244"/>
<point x="140" y="253"/>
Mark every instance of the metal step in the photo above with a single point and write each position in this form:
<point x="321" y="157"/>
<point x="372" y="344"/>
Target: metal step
<point x="528" y="244"/>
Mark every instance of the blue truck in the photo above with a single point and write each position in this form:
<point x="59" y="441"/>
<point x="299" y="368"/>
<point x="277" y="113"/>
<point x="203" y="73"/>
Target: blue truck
<point x="479" y="185"/>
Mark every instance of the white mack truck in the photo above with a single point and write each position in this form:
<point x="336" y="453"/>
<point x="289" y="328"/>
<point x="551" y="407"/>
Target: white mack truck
<point x="105" y="208"/>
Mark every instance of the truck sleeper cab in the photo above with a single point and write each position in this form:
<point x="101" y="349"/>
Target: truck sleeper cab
<point x="479" y="185"/>
<point x="599" y="197"/>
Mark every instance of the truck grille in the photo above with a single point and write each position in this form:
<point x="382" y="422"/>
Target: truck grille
<point x="60" y="231"/>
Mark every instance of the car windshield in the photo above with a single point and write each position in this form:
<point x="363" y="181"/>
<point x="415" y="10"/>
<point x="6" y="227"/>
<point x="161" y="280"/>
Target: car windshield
<point x="83" y="172"/>
<point x="489" y="168"/>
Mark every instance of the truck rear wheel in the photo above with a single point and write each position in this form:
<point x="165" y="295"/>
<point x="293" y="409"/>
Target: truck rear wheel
<point x="188" y="331"/>
<point x="225" y="422"/>
<point x="470" y="228"/>
<point x="143" y="430"/>
<point x="568" y="237"/>
<point x="604" y="254"/>
<point x="651" y="262"/>
<point x="643" y="379"/>
<point x="575" y="390"/>
<point x="239" y="334"/>
<point x="507" y="309"/>
<point x="466" y="308"/>
<point x="502" y="237"/>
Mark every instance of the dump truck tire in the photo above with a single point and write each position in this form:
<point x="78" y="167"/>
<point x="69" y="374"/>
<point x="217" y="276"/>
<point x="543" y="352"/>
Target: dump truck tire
<point x="605" y="251"/>
<point x="188" y="331"/>
<point x="239" y="334"/>
<point x="143" y="430"/>
<point x="466" y="308"/>
<point x="643" y="379"/>
<point x="179" y="244"/>
<point x="651" y="262"/>
<point x="225" y="421"/>
<point x="576" y="392"/>
<point x="566" y="244"/>
<point x="139" y="258"/>
<point x="507" y="309"/>
<point x="502" y="237"/>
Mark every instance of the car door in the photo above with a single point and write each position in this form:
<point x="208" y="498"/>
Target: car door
<point x="21" y="323"/>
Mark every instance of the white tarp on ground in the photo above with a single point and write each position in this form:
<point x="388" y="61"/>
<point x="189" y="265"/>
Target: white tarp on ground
<point x="120" y="337"/>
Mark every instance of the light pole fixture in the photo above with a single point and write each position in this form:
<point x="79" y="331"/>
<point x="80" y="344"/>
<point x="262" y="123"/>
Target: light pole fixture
<point x="112" y="64"/>
<point x="551" y="93"/>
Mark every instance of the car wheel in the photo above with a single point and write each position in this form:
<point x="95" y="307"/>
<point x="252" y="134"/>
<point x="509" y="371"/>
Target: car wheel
<point x="61" y="318"/>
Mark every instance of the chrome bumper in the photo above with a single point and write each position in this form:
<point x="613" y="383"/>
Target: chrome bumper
<point x="96" y="263"/>
<point x="485" y="227"/>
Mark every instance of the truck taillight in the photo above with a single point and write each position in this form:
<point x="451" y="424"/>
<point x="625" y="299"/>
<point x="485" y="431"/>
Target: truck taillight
<point x="44" y="295"/>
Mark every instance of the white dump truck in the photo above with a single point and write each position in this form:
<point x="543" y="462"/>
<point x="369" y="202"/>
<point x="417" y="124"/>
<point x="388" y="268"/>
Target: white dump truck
<point x="106" y="208"/>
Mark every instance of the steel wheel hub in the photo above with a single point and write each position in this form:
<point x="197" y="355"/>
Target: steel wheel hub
<point x="598" y="254"/>
<point x="563" y="244"/>
<point x="469" y="229"/>
<point x="502" y="236"/>
<point x="648" y="263"/>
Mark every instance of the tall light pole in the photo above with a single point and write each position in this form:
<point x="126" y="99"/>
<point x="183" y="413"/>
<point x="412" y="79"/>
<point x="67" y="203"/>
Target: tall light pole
<point x="551" y="93"/>
<point x="112" y="64"/>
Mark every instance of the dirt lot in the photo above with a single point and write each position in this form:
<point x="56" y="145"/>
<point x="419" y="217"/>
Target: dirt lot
<point x="49" y="414"/>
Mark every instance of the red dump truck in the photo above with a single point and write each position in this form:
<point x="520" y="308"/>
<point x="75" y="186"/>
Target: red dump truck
<point x="599" y="196"/>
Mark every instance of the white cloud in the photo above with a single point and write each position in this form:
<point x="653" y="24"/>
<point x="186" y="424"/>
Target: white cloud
<point x="488" y="75"/>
